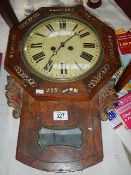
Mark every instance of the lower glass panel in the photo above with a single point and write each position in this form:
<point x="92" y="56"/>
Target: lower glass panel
<point x="58" y="137"/>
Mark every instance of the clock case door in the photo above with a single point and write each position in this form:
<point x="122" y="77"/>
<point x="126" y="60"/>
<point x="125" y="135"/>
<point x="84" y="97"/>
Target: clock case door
<point x="56" y="150"/>
<point x="83" y="89"/>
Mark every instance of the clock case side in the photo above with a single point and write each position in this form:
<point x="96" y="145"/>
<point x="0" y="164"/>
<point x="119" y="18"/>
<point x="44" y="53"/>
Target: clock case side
<point x="77" y="90"/>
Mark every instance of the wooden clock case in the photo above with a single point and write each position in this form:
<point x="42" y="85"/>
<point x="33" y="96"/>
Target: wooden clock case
<point x="82" y="99"/>
<point x="86" y="87"/>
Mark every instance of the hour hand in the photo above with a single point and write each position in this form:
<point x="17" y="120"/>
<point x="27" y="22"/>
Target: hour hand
<point x="62" y="44"/>
<point x="55" y="51"/>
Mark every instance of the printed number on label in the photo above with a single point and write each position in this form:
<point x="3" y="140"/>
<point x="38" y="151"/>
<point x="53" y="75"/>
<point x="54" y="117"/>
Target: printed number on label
<point x="60" y="115"/>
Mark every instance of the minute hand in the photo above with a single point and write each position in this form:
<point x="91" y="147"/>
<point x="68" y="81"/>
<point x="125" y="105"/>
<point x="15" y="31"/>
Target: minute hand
<point x="76" y="33"/>
<point x="68" y="39"/>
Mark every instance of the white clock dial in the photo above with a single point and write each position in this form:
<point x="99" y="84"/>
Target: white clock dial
<point x="61" y="49"/>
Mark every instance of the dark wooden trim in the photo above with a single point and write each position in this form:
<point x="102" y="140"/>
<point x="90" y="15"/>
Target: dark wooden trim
<point x="124" y="78"/>
<point x="125" y="5"/>
<point x="7" y="13"/>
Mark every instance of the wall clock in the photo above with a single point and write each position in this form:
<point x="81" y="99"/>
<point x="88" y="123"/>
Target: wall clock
<point x="62" y="53"/>
<point x="61" y="57"/>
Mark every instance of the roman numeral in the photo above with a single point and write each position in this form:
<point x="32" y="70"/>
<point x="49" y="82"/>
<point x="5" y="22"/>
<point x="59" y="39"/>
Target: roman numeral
<point x="63" y="68"/>
<point x="36" y="45"/>
<point x="48" y="66"/>
<point x="84" y="34"/>
<point x="62" y="24"/>
<point x="39" y="34"/>
<point x="86" y="56"/>
<point x="50" y="28"/>
<point x="38" y="57"/>
<point x="88" y="45"/>
<point x="75" y="27"/>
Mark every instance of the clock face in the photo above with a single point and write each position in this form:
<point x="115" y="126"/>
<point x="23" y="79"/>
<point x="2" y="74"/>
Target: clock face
<point x="61" y="49"/>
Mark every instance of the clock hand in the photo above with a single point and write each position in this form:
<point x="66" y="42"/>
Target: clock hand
<point x="55" y="51"/>
<point x="76" y="33"/>
<point x="62" y="44"/>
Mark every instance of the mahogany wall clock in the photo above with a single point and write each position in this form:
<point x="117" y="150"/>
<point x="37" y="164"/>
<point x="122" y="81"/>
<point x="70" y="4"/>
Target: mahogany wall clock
<point x="61" y="57"/>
